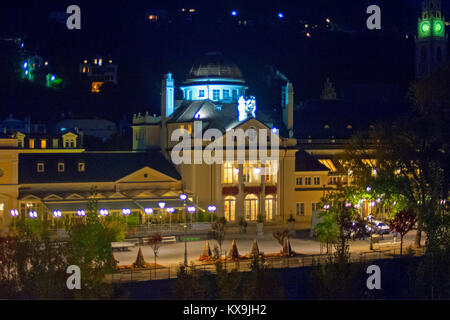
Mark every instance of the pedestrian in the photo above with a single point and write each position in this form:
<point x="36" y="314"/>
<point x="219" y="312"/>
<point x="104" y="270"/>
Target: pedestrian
<point x="241" y="224"/>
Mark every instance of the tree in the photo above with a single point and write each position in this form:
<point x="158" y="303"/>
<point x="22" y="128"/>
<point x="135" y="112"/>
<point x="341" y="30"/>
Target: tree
<point x="90" y="249"/>
<point x="280" y="236"/>
<point x="155" y="241"/>
<point x="218" y="232"/>
<point x="410" y="157"/>
<point x="327" y="230"/>
<point x="403" y="222"/>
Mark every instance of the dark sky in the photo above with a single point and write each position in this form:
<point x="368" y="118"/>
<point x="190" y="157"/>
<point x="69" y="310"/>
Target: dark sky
<point x="146" y="51"/>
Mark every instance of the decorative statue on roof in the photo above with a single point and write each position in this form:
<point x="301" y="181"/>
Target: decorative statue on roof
<point x="246" y="108"/>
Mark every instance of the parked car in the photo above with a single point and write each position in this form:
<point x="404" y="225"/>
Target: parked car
<point x="381" y="228"/>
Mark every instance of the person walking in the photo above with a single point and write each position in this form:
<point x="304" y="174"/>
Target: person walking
<point x="395" y="234"/>
<point x="245" y="226"/>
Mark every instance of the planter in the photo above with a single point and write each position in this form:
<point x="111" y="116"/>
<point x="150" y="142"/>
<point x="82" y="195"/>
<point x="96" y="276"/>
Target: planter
<point x="260" y="227"/>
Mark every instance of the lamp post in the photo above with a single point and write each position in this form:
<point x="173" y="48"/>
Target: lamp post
<point x="14" y="214"/>
<point x="183" y="197"/>
<point x="161" y="206"/>
<point x="170" y="211"/>
<point x="212" y="209"/>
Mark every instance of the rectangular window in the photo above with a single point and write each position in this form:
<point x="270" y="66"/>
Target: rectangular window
<point x="227" y="173"/>
<point x="235" y="95"/>
<point x="300" y="209"/>
<point x="308" y="180"/>
<point x="31" y="143"/>
<point x="315" y="206"/>
<point x="40" y="167"/>
<point x="216" y="94"/>
<point x="81" y="166"/>
<point x="317" y="180"/>
<point x="43" y="144"/>
<point x="299" y="181"/>
<point x="55" y="144"/>
<point x="226" y="94"/>
<point x="60" y="166"/>
<point x="201" y="93"/>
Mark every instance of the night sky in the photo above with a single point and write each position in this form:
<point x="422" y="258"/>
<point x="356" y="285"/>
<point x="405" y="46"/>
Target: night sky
<point x="145" y="51"/>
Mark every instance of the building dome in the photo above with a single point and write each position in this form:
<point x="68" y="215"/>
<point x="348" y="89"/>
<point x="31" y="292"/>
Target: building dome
<point x="214" y="78"/>
<point x="214" y="66"/>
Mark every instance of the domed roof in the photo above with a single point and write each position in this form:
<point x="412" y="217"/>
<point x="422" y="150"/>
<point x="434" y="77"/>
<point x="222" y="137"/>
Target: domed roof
<point x="214" y="65"/>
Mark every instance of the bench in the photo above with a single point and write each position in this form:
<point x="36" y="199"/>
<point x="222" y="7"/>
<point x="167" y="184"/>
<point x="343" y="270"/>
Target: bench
<point x="122" y="246"/>
<point x="169" y="239"/>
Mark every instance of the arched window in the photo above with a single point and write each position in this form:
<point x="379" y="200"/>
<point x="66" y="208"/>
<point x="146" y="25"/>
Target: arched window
<point x="230" y="208"/>
<point x="251" y="207"/>
<point x="270" y="207"/>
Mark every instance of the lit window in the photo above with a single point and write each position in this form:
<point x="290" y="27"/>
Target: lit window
<point x="96" y="86"/>
<point x="61" y="166"/>
<point x="226" y="94"/>
<point x="84" y="69"/>
<point x="153" y="17"/>
<point x="31" y="143"/>
<point x="316" y="180"/>
<point x="40" y="167"/>
<point x="191" y="10"/>
<point x="307" y="180"/>
<point x="216" y="94"/>
<point x="227" y="173"/>
<point x="81" y="167"/>
<point x="43" y="144"/>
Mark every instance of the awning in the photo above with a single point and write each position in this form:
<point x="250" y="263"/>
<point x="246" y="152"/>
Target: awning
<point x="114" y="205"/>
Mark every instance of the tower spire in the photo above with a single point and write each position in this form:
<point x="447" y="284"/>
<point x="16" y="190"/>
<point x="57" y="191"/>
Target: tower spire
<point x="431" y="40"/>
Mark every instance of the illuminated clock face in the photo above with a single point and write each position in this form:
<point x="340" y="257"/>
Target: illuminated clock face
<point x="438" y="28"/>
<point x="425" y="27"/>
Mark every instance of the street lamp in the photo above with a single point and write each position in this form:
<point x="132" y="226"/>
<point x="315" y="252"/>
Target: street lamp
<point x="369" y="217"/>
<point x="81" y="213"/>
<point x="183" y="197"/>
<point x="170" y="211"/>
<point x="33" y="214"/>
<point x="212" y="209"/>
<point x="14" y="214"/>
<point x="191" y="210"/>
<point x="161" y="206"/>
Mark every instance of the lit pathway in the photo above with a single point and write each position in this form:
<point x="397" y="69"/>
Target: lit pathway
<point x="173" y="253"/>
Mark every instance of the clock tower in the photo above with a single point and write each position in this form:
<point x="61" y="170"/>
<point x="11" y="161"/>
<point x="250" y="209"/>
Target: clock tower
<point x="431" y="40"/>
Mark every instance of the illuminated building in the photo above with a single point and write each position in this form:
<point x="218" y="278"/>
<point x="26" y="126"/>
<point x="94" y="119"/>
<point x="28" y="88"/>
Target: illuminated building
<point x="99" y="71"/>
<point x="214" y="78"/>
<point x="214" y="93"/>
<point x="431" y="41"/>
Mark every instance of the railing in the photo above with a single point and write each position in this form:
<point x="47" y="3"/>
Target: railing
<point x="170" y="272"/>
<point x="168" y="228"/>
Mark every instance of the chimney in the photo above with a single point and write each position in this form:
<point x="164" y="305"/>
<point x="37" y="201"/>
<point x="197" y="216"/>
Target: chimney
<point x="287" y="105"/>
<point x="167" y="96"/>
